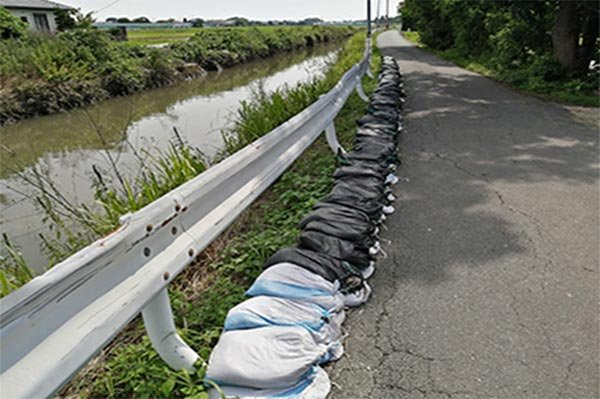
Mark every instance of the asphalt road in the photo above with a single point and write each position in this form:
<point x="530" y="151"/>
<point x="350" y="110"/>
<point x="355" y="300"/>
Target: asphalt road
<point x="491" y="284"/>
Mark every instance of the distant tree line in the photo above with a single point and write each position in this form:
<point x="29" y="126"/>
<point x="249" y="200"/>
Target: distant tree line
<point x="233" y="21"/>
<point x="557" y="38"/>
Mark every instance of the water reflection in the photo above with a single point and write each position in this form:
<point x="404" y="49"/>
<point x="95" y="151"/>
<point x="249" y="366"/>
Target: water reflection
<point x="66" y="145"/>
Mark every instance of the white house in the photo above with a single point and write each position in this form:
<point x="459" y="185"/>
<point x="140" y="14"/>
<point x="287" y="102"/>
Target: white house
<point x="38" y="14"/>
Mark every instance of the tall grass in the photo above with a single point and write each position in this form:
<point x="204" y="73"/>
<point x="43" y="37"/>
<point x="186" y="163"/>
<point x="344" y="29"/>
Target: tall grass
<point x="264" y="111"/>
<point x="42" y="75"/>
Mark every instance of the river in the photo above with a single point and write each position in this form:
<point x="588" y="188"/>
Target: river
<point x="65" y="146"/>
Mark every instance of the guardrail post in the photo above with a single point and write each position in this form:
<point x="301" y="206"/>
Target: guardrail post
<point x="332" y="140"/>
<point x="360" y="91"/>
<point x="158" y="320"/>
<point x="369" y="72"/>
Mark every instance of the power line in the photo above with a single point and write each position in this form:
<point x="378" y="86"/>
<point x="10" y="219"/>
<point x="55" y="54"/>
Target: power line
<point x="112" y="3"/>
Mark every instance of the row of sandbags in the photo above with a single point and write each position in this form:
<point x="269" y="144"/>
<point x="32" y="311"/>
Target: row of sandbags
<point x="274" y="342"/>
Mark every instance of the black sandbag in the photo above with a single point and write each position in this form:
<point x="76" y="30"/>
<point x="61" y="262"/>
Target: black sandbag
<point x="368" y="130"/>
<point x="373" y="208"/>
<point x="367" y="134"/>
<point x="339" y="223"/>
<point x="359" y="190"/>
<point x="336" y="213"/>
<point x="361" y="233"/>
<point x="347" y="228"/>
<point x="386" y="115"/>
<point x="374" y="120"/>
<point x="329" y="268"/>
<point x="382" y="140"/>
<point x="382" y="159"/>
<point x="343" y="250"/>
<point x="365" y="186"/>
<point x="375" y="219"/>
<point x="376" y="147"/>
<point x="357" y="171"/>
<point x="352" y="159"/>
<point x="378" y="124"/>
<point x="384" y="99"/>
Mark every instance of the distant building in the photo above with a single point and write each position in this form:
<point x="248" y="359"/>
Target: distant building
<point x="37" y="14"/>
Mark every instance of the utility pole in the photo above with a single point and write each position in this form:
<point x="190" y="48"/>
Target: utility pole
<point x="368" y="18"/>
<point x="387" y="14"/>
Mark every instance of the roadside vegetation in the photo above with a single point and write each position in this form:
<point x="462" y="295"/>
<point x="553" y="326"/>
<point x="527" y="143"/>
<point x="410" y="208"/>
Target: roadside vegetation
<point x="47" y="74"/>
<point x="541" y="47"/>
<point x="205" y="291"/>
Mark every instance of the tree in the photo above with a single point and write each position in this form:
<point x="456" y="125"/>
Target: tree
<point x="590" y="33"/>
<point x="123" y="20"/>
<point x="11" y="27"/>
<point x="197" y="22"/>
<point x="565" y="34"/>
<point x="65" y="19"/>
<point x="84" y="21"/>
<point x="111" y="20"/>
<point x="141" y="20"/>
<point x="575" y="34"/>
<point x="238" y="21"/>
<point x="311" y="21"/>
<point x="546" y="35"/>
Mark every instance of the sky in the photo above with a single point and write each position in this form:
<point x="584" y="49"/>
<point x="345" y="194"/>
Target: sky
<point x="251" y="9"/>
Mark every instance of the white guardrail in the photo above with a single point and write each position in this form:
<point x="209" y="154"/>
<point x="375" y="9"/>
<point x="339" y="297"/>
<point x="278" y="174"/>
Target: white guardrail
<point x="51" y="327"/>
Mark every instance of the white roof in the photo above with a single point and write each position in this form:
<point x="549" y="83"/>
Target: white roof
<point x="37" y="4"/>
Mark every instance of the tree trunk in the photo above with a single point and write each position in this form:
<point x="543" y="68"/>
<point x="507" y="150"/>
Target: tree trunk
<point x="590" y="34"/>
<point x="565" y="35"/>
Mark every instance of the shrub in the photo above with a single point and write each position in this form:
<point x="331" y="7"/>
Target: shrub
<point x="122" y="76"/>
<point x="159" y="68"/>
<point x="89" y="55"/>
<point x="10" y="26"/>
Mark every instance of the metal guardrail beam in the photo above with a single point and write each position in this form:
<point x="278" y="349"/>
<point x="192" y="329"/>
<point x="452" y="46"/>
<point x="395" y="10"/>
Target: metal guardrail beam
<point x="51" y="327"/>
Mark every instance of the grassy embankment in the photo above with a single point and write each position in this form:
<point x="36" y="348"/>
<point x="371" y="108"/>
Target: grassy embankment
<point x="203" y="293"/>
<point x="564" y="91"/>
<point x="43" y="75"/>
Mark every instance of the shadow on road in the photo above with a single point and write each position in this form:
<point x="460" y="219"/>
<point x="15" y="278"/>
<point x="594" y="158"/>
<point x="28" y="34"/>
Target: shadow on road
<point x="481" y="136"/>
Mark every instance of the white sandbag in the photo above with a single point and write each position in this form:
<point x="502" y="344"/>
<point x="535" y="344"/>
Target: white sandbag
<point x="358" y="297"/>
<point x="315" y="386"/>
<point x="266" y="311"/>
<point x="388" y="210"/>
<point x="261" y="358"/>
<point x="286" y="280"/>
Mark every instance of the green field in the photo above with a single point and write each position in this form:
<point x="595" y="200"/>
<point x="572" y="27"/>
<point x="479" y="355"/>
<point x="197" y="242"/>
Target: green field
<point x="159" y="36"/>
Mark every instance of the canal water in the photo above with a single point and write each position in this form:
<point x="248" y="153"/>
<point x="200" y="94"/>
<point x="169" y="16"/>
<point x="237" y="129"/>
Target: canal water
<point x="65" y="146"/>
